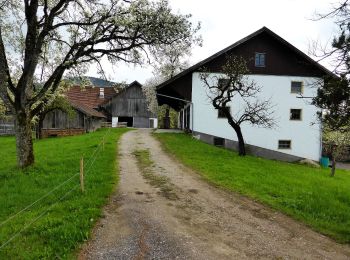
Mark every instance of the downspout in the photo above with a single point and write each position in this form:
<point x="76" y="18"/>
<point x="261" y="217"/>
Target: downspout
<point x="321" y="134"/>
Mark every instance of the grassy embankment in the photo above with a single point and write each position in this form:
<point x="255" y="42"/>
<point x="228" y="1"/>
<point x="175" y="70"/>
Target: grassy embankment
<point x="63" y="219"/>
<point x="305" y="193"/>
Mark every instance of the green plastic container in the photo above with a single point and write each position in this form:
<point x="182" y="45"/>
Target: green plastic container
<point x="324" y="162"/>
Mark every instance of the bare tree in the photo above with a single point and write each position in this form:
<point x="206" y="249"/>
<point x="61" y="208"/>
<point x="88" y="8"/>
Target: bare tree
<point x="338" y="52"/>
<point x="333" y="93"/>
<point x="233" y="88"/>
<point x="41" y="41"/>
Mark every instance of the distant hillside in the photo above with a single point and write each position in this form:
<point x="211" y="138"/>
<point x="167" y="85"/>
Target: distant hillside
<point x="96" y="82"/>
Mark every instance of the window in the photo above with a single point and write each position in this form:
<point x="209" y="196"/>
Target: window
<point x="295" y="114"/>
<point x="219" y="141"/>
<point x="296" y="87"/>
<point x="221" y="113"/>
<point x="284" y="144"/>
<point x="102" y="92"/>
<point x="259" y="59"/>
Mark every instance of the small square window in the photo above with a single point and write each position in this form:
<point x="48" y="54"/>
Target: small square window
<point x="284" y="144"/>
<point x="295" y="114"/>
<point x="218" y="141"/>
<point x="259" y="59"/>
<point x="221" y="113"/>
<point x="296" y="87"/>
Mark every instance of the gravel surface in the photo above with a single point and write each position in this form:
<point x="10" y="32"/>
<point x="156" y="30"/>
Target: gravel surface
<point x="202" y="223"/>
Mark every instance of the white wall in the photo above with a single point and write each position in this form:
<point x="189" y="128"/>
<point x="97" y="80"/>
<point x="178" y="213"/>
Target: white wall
<point x="305" y="137"/>
<point x="155" y="120"/>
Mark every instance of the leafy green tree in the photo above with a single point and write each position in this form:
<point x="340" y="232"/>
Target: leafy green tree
<point x="42" y="41"/>
<point x="334" y="98"/>
<point x="333" y="95"/>
<point x="336" y="143"/>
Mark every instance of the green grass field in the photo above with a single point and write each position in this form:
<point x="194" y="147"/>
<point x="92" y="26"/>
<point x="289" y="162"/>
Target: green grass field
<point x="55" y="226"/>
<point x="305" y="193"/>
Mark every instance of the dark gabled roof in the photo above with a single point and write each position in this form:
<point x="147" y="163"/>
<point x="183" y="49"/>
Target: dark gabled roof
<point x="135" y="82"/>
<point x="236" y="44"/>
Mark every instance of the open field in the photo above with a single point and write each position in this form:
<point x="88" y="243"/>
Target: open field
<point x="305" y="193"/>
<point x="56" y="225"/>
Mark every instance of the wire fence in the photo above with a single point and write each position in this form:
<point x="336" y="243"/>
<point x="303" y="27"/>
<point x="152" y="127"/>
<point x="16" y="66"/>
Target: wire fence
<point x="89" y="164"/>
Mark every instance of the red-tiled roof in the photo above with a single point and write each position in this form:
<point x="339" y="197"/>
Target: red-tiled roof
<point x="88" y="99"/>
<point x="86" y="109"/>
<point x="89" y="96"/>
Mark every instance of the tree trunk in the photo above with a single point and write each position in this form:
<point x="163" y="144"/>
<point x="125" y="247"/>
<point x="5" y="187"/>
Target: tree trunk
<point x="24" y="141"/>
<point x="333" y="166"/>
<point x="241" y="146"/>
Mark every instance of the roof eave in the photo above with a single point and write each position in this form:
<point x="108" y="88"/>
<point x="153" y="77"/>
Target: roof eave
<point x="263" y="29"/>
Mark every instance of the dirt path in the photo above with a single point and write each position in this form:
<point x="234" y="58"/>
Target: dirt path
<point x="199" y="222"/>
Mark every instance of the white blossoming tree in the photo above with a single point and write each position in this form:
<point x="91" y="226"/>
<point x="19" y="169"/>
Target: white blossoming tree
<point x="169" y="61"/>
<point x="41" y="41"/>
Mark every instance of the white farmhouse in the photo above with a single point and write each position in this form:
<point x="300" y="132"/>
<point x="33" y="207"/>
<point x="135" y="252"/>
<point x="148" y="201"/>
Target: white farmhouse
<point x="282" y="71"/>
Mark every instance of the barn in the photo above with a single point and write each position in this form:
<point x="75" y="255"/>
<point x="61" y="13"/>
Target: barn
<point x="87" y="116"/>
<point x="129" y="107"/>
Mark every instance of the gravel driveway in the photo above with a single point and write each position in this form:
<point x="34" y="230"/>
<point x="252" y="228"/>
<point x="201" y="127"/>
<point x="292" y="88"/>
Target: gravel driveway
<point x="200" y="222"/>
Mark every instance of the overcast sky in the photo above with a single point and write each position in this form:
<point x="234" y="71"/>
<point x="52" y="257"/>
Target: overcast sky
<point x="227" y="21"/>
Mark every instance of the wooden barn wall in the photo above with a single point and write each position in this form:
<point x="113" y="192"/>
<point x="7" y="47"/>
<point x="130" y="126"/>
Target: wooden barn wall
<point x="130" y="103"/>
<point x="93" y="123"/>
<point x="7" y="126"/>
<point x="141" y="122"/>
<point x="58" y="119"/>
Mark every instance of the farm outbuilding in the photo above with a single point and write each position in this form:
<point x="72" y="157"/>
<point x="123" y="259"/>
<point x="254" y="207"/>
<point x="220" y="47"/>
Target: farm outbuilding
<point x="129" y="107"/>
<point x="87" y="116"/>
<point x="7" y="125"/>
<point x="95" y="105"/>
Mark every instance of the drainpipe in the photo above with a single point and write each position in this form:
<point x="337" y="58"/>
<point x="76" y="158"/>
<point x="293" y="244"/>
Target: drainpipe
<point x="180" y="99"/>
<point x="321" y="134"/>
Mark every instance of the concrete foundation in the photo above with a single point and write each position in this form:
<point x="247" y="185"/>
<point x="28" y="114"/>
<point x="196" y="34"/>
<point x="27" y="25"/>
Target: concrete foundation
<point x="251" y="149"/>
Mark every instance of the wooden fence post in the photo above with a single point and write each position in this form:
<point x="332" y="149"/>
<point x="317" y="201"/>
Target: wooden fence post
<point x="82" y="174"/>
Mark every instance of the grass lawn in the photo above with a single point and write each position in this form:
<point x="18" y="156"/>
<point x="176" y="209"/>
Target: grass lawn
<point x="62" y="220"/>
<point x="305" y="193"/>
